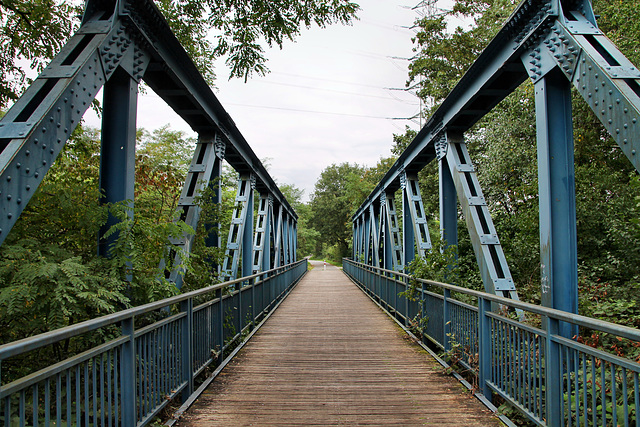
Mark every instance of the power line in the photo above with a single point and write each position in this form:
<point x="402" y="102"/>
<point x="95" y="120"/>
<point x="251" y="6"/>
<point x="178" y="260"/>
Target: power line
<point x="297" y="110"/>
<point x="338" y="91"/>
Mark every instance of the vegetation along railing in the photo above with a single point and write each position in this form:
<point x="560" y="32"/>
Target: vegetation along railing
<point x="147" y="355"/>
<point x="513" y="349"/>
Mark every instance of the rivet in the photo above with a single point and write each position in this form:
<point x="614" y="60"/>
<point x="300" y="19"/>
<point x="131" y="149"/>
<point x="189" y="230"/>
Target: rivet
<point x="626" y="126"/>
<point x="51" y="151"/>
<point x="28" y="188"/>
<point x="27" y="170"/>
<point x="37" y="174"/>
<point x="9" y="197"/>
<point x="19" y="201"/>
<point x="633" y="152"/>
<point x="618" y="131"/>
<point x="8" y="179"/>
<point x="44" y="146"/>
<point x="9" y="215"/>
<point x="44" y="162"/>
<point x="18" y="166"/>
<point x="27" y="153"/>
<point x="626" y="141"/>
<point x="44" y="130"/>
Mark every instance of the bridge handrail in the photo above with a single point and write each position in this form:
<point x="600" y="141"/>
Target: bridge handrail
<point x="47" y="338"/>
<point x="553" y="380"/>
<point x="587" y="322"/>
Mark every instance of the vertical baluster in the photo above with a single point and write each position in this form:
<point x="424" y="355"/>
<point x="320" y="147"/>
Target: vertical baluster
<point x="603" y="387"/>
<point x="614" y="397"/>
<point x="35" y="406"/>
<point x="47" y="402"/>
<point x="68" y="417"/>
<point x="117" y="386"/>
<point x="585" y="396"/>
<point x="21" y="408"/>
<point x="78" y="374"/>
<point x="87" y="396"/>
<point x="625" y="396"/>
<point x="109" y="387"/>
<point x="94" y="379"/>
<point x="58" y="399"/>
<point x="636" y="395"/>
<point x="594" y="392"/>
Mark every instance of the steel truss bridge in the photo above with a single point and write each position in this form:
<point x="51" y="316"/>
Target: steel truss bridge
<point x="536" y="365"/>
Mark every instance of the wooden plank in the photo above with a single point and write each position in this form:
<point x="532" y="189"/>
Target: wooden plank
<point x="329" y="356"/>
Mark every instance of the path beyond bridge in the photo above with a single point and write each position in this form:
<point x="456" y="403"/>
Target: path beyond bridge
<point x="330" y="356"/>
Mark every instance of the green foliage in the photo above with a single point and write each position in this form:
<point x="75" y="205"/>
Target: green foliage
<point x="32" y="31"/>
<point x="36" y="30"/>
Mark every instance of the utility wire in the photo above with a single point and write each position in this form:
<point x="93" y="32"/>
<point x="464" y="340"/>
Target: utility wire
<point x="297" y="110"/>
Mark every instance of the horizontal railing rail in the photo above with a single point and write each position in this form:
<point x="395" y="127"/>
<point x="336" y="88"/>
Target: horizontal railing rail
<point x="128" y="379"/>
<point x="551" y="379"/>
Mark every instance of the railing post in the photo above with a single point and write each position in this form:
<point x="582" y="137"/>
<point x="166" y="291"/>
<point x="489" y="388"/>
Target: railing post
<point x="128" y="375"/>
<point x="553" y="377"/>
<point x="446" y="321"/>
<point x="186" y="350"/>
<point x="484" y="346"/>
<point x="220" y="327"/>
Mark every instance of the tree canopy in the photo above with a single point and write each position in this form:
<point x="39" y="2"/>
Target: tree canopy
<point x="237" y="30"/>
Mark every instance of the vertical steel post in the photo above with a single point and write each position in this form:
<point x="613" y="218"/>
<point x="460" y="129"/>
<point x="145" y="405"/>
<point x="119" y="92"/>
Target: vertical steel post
<point x="117" y="152"/>
<point x="186" y="350"/>
<point x="213" y="239"/>
<point x="484" y="346"/>
<point x="446" y="320"/>
<point x="554" y="399"/>
<point x="128" y="375"/>
<point x="247" y="232"/>
<point x="556" y="182"/>
<point x="448" y="205"/>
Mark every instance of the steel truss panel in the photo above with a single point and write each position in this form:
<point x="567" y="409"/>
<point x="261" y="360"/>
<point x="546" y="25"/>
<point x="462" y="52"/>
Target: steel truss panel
<point x="204" y="171"/>
<point x="262" y="241"/>
<point x="484" y="238"/>
<point x="393" y="230"/>
<point x="418" y="217"/>
<point x="241" y="224"/>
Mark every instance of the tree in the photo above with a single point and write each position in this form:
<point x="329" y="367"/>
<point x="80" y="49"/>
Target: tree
<point x="332" y="204"/>
<point x="36" y="30"/>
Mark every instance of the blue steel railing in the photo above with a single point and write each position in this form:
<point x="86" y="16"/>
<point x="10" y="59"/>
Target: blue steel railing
<point x="553" y="380"/>
<point x="128" y="380"/>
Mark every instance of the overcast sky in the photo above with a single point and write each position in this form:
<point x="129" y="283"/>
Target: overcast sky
<point x="331" y="96"/>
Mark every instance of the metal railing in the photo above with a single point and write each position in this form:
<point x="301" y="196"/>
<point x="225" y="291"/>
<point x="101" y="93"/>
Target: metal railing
<point x="553" y="380"/>
<point x="131" y="377"/>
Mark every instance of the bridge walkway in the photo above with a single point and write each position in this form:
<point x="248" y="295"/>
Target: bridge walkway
<point x="330" y="356"/>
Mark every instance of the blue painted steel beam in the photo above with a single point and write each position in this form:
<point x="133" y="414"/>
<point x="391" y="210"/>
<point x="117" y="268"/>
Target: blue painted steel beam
<point x="448" y="205"/>
<point x="117" y="153"/>
<point x="556" y="183"/>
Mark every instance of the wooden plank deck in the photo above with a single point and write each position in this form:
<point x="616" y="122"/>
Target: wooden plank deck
<point x="330" y="356"/>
